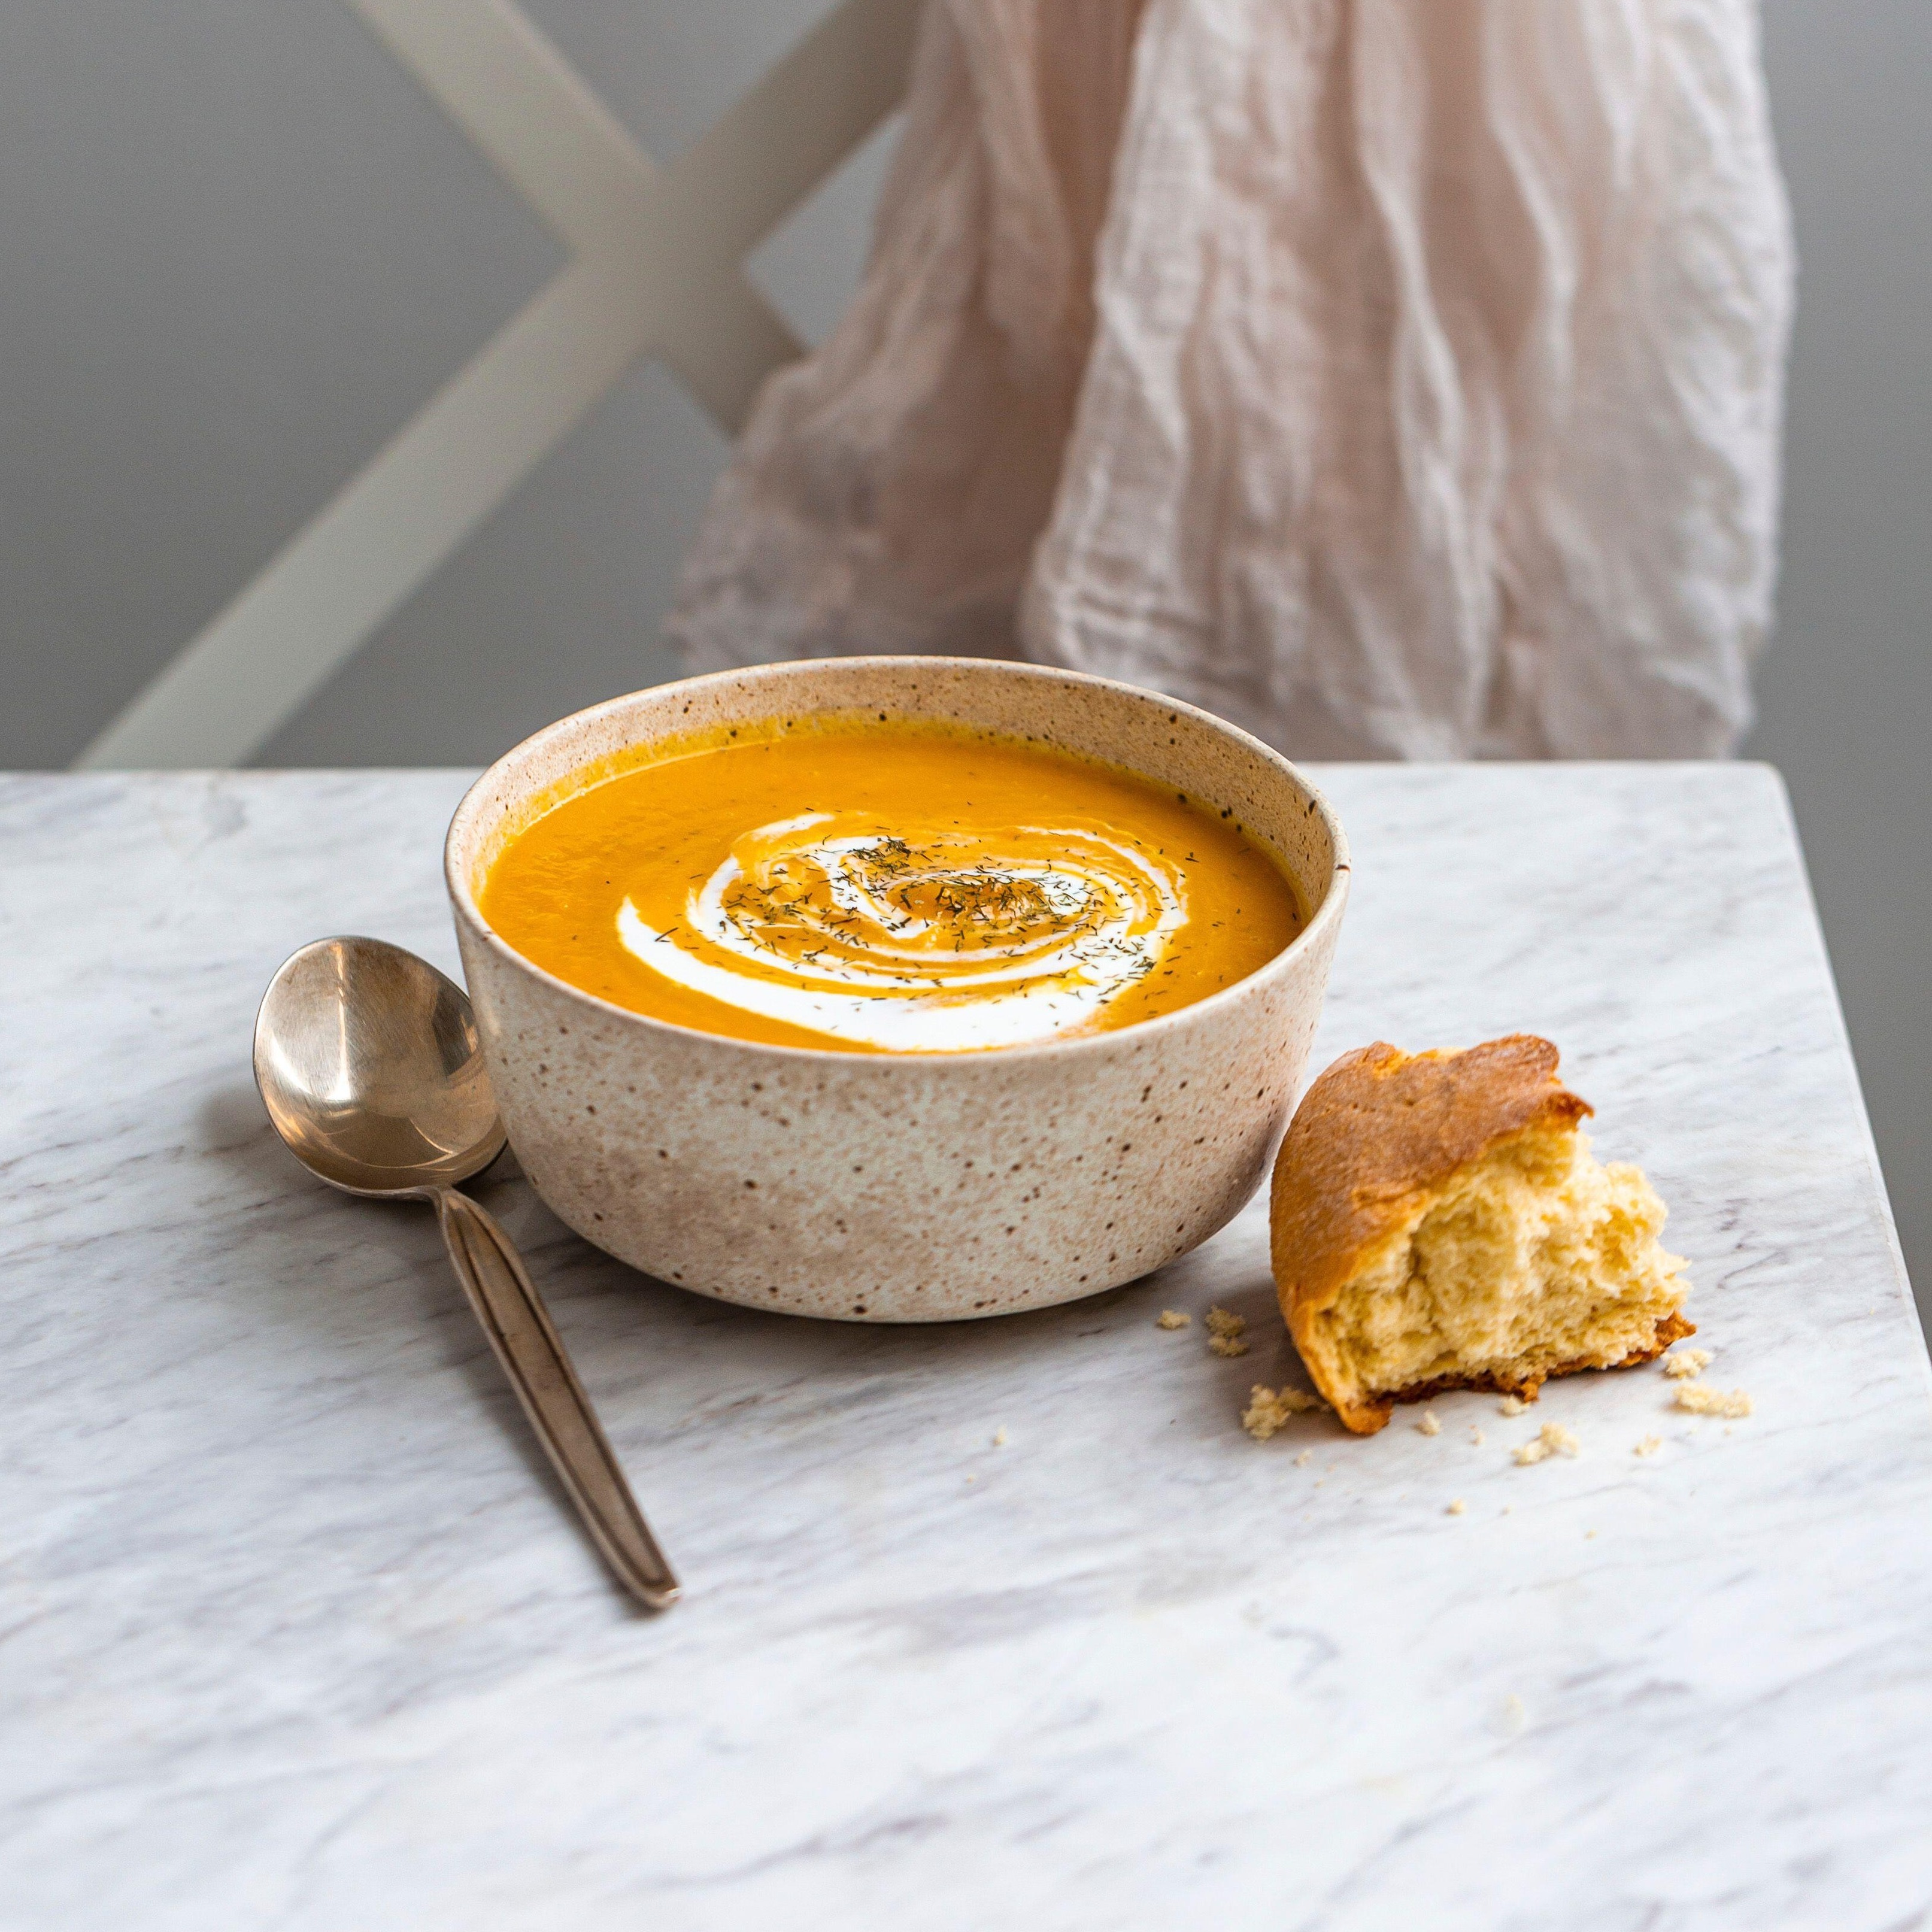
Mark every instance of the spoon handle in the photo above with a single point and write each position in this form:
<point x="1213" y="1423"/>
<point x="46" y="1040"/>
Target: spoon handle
<point x="515" y="1318"/>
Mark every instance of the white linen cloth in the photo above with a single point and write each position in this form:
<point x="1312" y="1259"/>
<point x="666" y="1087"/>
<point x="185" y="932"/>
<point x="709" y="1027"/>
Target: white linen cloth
<point x="1393" y="376"/>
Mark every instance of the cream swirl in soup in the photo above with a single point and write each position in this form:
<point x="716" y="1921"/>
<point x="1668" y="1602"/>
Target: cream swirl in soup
<point x="942" y="891"/>
<point x="915" y="937"/>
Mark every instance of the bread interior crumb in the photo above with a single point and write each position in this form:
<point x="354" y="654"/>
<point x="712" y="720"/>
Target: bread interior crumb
<point x="1535" y="1258"/>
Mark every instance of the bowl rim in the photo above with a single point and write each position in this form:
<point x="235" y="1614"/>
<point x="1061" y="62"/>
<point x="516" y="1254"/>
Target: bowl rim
<point x="1324" y="916"/>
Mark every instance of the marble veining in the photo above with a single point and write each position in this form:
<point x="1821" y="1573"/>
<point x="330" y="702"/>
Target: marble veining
<point x="296" y="1634"/>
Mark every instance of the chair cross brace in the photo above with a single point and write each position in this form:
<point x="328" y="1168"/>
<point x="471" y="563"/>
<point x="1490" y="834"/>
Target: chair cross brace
<point x="655" y="269"/>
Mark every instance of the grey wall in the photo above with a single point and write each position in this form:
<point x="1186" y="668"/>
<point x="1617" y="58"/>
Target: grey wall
<point x="1846" y="692"/>
<point x="238" y="248"/>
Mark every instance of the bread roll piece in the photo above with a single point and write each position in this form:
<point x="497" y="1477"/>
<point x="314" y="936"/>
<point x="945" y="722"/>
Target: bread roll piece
<point x="1439" y="1223"/>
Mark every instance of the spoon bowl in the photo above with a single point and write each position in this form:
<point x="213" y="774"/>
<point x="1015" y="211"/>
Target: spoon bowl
<point x="369" y="1063"/>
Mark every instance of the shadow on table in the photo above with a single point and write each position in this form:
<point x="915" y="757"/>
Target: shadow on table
<point x="348" y="1271"/>
<point x="660" y="1362"/>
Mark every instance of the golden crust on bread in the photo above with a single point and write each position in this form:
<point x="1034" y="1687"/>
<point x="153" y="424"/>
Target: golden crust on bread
<point x="1438" y="1223"/>
<point x="1382" y="1128"/>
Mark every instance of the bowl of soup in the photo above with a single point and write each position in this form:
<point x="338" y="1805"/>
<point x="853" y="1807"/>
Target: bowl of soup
<point x="895" y="989"/>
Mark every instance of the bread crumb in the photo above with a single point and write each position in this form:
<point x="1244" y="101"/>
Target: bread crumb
<point x="1513" y="1404"/>
<point x="1428" y="1425"/>
<point x="1649" y="1446"/>
<point x="1701" y="1400"/>
<point x="1514" y="1716"/>
<point x="1267" y="1411"/>
<point x="1171" y="1318"/>
<point x="1476" y="1436"/>
<point x="1459" y="1508"/>
<point x="1225" y="1330"/>
<point x="1301" y="1461"/>
<point x="1552" y="1439"/>
<point x="999" y="1438"/>
<point x="1687" y="1364"/>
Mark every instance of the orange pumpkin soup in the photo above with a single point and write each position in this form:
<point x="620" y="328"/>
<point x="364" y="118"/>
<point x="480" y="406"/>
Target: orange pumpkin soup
<point x="901" y="885"/>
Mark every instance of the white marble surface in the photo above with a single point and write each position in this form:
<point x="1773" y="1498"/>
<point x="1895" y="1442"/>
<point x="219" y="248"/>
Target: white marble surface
<point x="296" y="1635"/>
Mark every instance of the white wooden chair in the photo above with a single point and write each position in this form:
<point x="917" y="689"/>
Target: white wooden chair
<point x="655" y="271"/>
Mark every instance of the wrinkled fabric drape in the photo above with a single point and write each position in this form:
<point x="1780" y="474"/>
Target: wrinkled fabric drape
<point x="1398" y="377"/>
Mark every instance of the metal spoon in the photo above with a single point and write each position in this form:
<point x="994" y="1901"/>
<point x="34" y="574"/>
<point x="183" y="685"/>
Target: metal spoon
<point x="368" y="1060"/>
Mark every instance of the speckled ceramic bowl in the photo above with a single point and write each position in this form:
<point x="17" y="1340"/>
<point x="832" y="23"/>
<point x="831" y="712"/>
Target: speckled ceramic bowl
<point x="903" y="1187"/>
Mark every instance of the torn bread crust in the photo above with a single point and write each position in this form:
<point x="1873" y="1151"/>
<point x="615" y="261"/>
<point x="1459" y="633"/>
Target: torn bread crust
<point x="1473" y="1161"/>
<point x="1672" y="1328"/>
